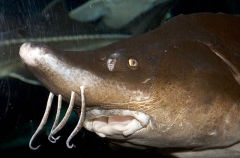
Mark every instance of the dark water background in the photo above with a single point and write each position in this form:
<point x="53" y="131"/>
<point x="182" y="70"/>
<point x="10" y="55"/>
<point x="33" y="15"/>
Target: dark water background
<point x="22" y="105"/>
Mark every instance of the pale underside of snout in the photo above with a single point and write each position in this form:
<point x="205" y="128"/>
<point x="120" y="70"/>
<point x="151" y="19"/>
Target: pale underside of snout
<point x="116" y="123"/>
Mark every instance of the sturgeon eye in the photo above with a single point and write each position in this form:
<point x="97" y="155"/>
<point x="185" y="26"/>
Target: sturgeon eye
<point x="133" y="64"/>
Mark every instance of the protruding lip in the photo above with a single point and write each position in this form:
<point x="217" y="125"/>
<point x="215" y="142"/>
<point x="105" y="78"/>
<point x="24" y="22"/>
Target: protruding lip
<point x="107" y="123"/>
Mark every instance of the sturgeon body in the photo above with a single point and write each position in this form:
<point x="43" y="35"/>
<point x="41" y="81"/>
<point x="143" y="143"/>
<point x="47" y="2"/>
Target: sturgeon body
<point x="174" y="87"/>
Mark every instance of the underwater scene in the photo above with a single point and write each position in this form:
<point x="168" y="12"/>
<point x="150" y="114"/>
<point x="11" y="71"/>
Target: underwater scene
<point x="174" y="103"/>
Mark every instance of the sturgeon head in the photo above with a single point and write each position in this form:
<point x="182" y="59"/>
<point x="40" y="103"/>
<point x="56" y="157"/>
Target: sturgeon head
<point x="176" y="86"/>
<point x="117" y="84"/>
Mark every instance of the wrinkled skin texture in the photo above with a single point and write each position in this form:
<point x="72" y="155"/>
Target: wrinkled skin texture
<point x="187" y="82"/>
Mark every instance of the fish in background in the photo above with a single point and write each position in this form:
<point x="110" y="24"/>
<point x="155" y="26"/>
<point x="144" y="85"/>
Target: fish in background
<point x="115" y="14"/>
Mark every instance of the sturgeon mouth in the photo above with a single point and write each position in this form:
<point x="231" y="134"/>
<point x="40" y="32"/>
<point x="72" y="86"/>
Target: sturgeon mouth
<point x="109" y="123"/>
<point x="102" y="122"/>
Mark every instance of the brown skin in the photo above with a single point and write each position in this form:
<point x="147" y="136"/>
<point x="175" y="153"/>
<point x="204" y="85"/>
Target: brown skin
<point x="190" y="93"/>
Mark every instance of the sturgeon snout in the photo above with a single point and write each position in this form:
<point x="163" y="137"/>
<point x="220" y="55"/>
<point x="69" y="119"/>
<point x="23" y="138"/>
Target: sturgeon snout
<point x="43" y="63"/>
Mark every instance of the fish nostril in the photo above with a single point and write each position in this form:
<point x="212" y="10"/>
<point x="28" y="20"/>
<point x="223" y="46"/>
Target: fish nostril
<point x="111" y="64"/>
